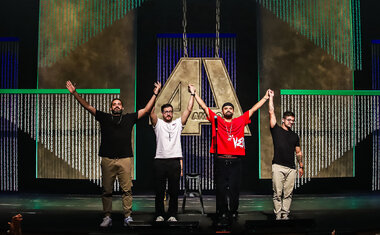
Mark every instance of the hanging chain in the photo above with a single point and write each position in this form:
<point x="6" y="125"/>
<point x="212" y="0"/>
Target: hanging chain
<point x="184" y="24"/>
<point x="217" y="28"/>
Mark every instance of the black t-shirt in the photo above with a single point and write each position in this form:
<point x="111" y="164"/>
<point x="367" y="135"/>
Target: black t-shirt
<point x="116" y="134"/>
<point x="284" y="143"/>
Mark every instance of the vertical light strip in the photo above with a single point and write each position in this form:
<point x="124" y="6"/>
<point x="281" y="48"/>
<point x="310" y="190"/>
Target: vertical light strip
<point x="375" y="48"/>
<point x="320" y="162"/>
<point x="359" y="36"/>
<point x="258" y="87"/>
<point x="9" y="61"/>
<point x="2" y="153"/>
<point x="169" y="51"/>
<point x="54" y="18"/>
<point x="344" y="131"/>
<point x="334" y="22"/>
<point x="135" y="108"/>
<point x="353" y="35"/>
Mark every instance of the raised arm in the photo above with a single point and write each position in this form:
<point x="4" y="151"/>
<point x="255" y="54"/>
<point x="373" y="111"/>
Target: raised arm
<point x="83" y="102"/>
<point x="181" y="167"/>
<point x="148" y="107"/>
<point x="299" y="159"/>
<point x="187" y="112"/>
<point x="272" y="116"/>
<point x="153" y="117"/>
<point x="201" y="102"/>
<point x="259" y="104"/>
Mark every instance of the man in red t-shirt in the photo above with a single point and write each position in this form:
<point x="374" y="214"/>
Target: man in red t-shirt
<point x="228" y="145"/>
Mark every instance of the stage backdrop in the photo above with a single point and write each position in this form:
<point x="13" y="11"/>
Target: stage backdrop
<point x="311" y="45"/>
<point x="91" y="43"/>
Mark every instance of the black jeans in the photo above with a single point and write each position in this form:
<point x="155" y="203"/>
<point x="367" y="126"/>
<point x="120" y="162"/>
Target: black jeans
<point x="227" y="179"/>
<point x="167" y="169"/>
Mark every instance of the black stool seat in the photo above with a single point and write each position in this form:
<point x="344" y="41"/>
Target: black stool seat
<point x="192" y="193"/>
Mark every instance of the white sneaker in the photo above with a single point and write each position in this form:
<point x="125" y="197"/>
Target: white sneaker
<point x="127" y="221"/>
<point x="172" y="219"/>
<point x="107" y="222"/>
<point x="159" y="218"/>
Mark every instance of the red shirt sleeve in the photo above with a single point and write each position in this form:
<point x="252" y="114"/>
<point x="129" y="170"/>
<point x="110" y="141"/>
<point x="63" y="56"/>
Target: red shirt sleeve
<point x="211" y="116"/>
<point x="246" y="118"/>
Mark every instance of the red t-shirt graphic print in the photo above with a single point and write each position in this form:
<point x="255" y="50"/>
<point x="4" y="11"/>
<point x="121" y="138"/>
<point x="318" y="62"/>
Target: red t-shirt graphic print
<point x="230" y="134"/>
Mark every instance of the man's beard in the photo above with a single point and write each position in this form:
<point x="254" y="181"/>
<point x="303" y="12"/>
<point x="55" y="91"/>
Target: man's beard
<point x="168" y="119"/>
<point x="288" y="126"/>
<point x="228" y="115"/>
<point x="117" y="111"/>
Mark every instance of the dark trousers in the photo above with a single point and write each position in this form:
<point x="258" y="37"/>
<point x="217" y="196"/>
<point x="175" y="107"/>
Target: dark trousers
<point x="167" y="169"/>
<point x="227" y="179"/>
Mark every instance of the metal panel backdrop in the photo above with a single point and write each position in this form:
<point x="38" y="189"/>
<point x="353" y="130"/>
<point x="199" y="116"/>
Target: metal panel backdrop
<point x="312" y="45"/>
<point x="68" y="24"/>
<point x="93" y="44"/>
<point x="333" y="25"/>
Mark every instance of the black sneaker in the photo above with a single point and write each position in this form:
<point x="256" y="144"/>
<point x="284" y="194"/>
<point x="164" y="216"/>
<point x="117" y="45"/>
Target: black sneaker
<point x="235" y="215"/>
<point x="223" y="221"/>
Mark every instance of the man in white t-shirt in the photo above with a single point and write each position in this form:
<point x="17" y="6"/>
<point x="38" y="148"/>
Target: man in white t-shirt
<point x="168" y="159"/>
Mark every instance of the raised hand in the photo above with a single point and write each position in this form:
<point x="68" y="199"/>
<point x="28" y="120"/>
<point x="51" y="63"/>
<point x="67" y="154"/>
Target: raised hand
<point x="157" y="88"/>
<point x="271" y="93"/>
<point x="300" y="171"/>
<point x="191" y="88"/>
<point x="70" y="86"/>
<point x="266" y="96"/>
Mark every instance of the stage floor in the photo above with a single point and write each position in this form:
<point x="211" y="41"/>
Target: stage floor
<point x="78" y="214"/>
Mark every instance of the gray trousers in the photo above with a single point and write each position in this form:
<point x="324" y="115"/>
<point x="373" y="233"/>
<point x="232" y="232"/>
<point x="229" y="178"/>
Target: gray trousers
<point x="283" y="179"/>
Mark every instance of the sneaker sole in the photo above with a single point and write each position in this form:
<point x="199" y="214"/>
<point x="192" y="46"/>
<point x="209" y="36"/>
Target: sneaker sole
<point x="110" y="225"/>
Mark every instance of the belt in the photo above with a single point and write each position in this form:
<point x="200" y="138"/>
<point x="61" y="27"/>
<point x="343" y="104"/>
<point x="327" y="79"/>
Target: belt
<point x="227" y="156"/>
<point x="116" y="158"/>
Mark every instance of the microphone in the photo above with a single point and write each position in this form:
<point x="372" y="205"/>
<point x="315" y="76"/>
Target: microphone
<point x="216" y="135"/>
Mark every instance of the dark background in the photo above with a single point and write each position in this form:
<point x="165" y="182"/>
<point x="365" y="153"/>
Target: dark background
<point x="19" y="18"/>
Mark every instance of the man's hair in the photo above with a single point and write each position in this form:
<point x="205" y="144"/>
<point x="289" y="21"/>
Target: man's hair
<point x="228" y="104"/>
<point x="165" y="106"/>
<point x="116" y="99"/>
<point x="287" y="114"/>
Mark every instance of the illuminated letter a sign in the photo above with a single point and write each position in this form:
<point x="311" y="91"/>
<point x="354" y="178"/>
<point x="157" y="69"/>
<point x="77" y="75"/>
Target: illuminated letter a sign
<point x="188" y="71"/>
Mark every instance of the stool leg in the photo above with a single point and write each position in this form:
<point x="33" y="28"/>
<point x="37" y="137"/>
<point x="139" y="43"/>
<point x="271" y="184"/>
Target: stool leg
<point x="200" y="194"/>
<point x="184" y="202"/>
<point x="203" y="208"/>
<point x="185" y="194"/>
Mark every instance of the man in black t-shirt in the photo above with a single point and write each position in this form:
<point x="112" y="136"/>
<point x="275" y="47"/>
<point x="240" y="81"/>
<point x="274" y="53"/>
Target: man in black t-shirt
<point x="116" y="149"/>
<point x="284" y="173"/>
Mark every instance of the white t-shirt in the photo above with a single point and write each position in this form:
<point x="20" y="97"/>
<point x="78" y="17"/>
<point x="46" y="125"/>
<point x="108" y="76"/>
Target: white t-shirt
<point x="168" y="139"/>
